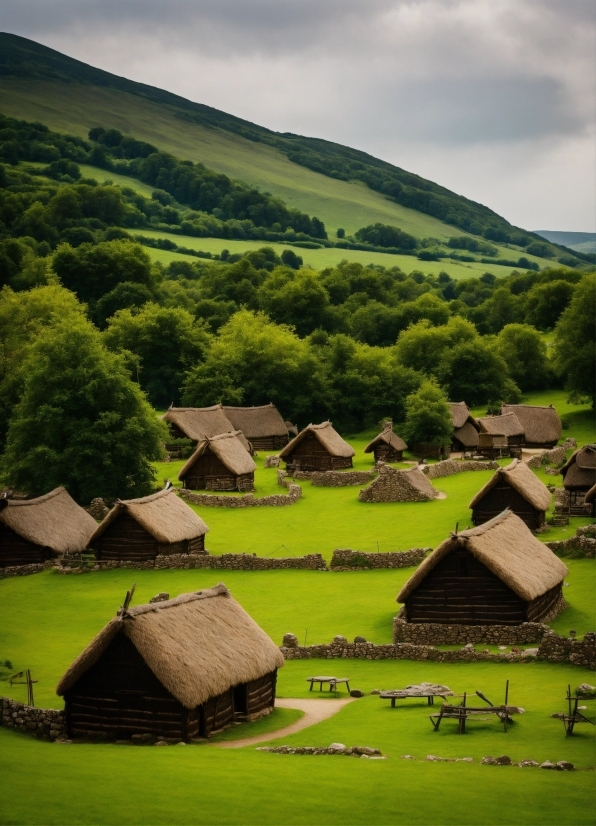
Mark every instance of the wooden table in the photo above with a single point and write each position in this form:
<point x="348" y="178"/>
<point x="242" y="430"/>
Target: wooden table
<point x="403" y="695"/>
<point x="332" y="681"/>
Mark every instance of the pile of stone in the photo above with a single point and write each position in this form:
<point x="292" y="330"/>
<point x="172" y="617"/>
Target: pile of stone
<point x="334" y="748"/>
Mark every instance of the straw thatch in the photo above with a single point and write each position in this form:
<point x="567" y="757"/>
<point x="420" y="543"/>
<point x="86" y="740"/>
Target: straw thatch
<point x="326" y="436"/>
<point x="541" y="425"/>
<point x="163" y="515"/>
<point x="229" y="450"/>
<point x="506" y="425"/>
<point x="508" y="549"/>
<point x="460" y="413"/>
<point x="523" y="480"/>
<point x="389" y="438"/>
<point x="466" y="435"/>
<point x="198" y="423"/>
<point x="198" y="645"/>
<point x="52" y="521"/>
<point x="580" y="469"/>
<point x="590" y="495"/>
<point x="257" y="422"/>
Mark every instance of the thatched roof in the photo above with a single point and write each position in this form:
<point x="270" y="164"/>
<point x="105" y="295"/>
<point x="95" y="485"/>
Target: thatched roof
<point x="509" y="549"/>
<point x="506" y="425"/>
<point x="467" y="435"/>
<point x="523" y="480"/>
<point x="166" y="517"/>
<point x="53" y="521"/>
<point x="419" y="481"/>
<point x="257" y="422"/>
<point x="326" y="435"/>
<point x="541" y="425"/>
<point x="198" y="423"/>
<point x="229" y="450"/>
<point x="198" y="645"/>
<point x="590" y="495"/>
<point x="460" y="413"/>
<point x="388" y="437"/>
<point x="579" y="471"/>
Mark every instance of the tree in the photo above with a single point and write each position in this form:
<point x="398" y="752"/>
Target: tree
<point x="124" y="296"/>
<point x="290" y="259"/>
<point x="575" y="346"/>
<point x="545" y="303"/>
<point x="422" y="346"/>
<point x="500" y="309"/>
<point x="81" y="422"/>
<point x="166" y="341"/>
<point x="384" y="235"/>
<point x="428" y="417"/>
<point x="295" y="298"/>
<point x="475" y="373"/>
<point x="524" y="351"/>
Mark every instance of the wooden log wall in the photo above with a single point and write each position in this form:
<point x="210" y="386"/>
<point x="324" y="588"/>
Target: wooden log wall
<point x="502" y="496"/>
<point x="385" y="453"/>
<point x="126" y="539"/>
<point x="260" y="694"/>
<point x="187" y="546"/>
<point x="544" y="604"/>
<point x="15" y="550"/>
<point x="310" y="454"/>
<point x="217" y="713"/>
<point x="268" y="442"/>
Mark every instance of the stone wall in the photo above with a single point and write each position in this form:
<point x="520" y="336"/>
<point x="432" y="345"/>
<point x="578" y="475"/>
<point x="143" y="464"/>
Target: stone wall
<point x="345" y="559"/>
<point x="582" y="545"/>
<point x="230" y="562"/>
<point x="436" y="634"/>
<point x="557" y="649"/>
<point x="341" y="479"/>
<point x="450" y="466"/>
<point x="45" y="723"/>
<point x="556" y="456"/>
<point x="25" y="570"/>
<point x="248" y="500"/>
<point x="393" y="485"/>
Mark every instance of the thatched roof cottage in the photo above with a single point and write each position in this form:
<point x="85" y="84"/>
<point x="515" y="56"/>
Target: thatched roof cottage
<point x="507" y="425"/>
<point x="387" y="446"/>
<point x="579" y="475"/>
<point x="590" y="501"/>
<point x="394" y="485"/>
<point x="177" y="669"/>
<point x="197" y="423"/>
<point x="263" y="426"/>
<point x="318" y="447"/>
<point x="495" y="574"/>
<point x="140" y="529"/>
<point x="465" y="427"/>
<point x="515" y="487"/>
<point x="35" y="530"/>
<point x="541" y="425"/>
<point x="220" y="463"/>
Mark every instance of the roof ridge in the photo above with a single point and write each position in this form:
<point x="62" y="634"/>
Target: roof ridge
<point x="217" y="591"/>
<point x="36" y="500"/>
<point x="143" y="499"/>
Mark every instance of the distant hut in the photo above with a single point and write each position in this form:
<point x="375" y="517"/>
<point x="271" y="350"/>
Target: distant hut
<point x="291" y="428"/>
<point x="35" y="530"/>
<point x="514" y="487"/>
<point x="387" y="446"/>
<point x="318" y="447"/>
<point x="541" y="425"/>
<point x="195" y="424"/>
<point x="263" y="426"/>
<point x="394" y="485"/>
<point x="139" y="529"/>
<point x="220" y="463"/>
<point x="498" y="434"/>
<point x="495" y="574"/>
<point x="178" y="669"/>
<point x="590" y="501"/>
<point x="579" y="475"/>
<point x="465" y="427"/>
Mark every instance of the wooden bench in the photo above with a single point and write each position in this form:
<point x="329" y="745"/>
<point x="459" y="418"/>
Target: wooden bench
<point x="333" y="682"/>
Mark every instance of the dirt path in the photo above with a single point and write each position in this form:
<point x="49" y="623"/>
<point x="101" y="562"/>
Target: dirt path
<point x="314" y="712"/>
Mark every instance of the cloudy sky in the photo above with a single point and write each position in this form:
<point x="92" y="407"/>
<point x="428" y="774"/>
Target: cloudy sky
<point x="494" y="99"/>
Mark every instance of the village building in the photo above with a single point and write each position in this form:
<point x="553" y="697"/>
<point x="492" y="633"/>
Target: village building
<point x="496" y="574"/>
<point x="387" y="446"/>
<point x="541" y="425"/>
<point x="317" y="447"/>
<point x="465" y="428"/>
<point x="515" y="487"/>
<point x="195" y="424"/>
<point x="138" y="530"/>
<point x="263" y="426"/>
<point x="395" y="485"/>
<point x="220" y="463"/>
<point x="590" y="501"/>
<point x="500" y="436"/>
<point x="35" y="530"/>
<point x="579" y="475"/>
<point x="177" y="669"/>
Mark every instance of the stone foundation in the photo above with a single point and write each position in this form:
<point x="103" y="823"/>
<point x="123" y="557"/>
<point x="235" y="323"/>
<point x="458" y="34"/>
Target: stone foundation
<point x="449" y="467"/>
<point x="25" y="570"/>
<point x="248" y="500"/>
<point x="437" y="634"/>
<point x="44" y="723"/>
<point x="348" y="560"/>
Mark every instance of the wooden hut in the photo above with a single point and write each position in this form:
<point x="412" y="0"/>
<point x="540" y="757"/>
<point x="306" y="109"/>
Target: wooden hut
<point x="579" y="475"/>
<point x="195" y="424"/>
<point x="541" y="425"/>
<point x="465" y="427"/>
<point x="317" y="447"/>
<point x="387" y="446"/>
<point x="263" y="426"/>
<point x="178" y="669"/>
<point x="590" y="501"/>
<point x="35" y="530"/>
<point x="140" y="529"/>
<point x="220" y="463"/>
<point x="514" y="487"/>
<point x="500" y="436"/>
<point x="495" y="574"/>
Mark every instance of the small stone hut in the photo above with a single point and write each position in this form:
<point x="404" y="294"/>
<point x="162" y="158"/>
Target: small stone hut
<point x="507" y="425"/>
<point x="179" y="669"/>
<point x="387" y="446"/>
<point x="263" y="426"/>
<point x="465" y="427"/>
<point x="138" y="530"/>
<point x="220" y="463"/>
<point x="514" y="487"/>
<point x="394" y="485"/>
<point x="495" y="574"/>
<point x="35" y="530"/>
<point x="317" y="447"/>
<point x="541" y="425"/>
<point x="579" y="475"/>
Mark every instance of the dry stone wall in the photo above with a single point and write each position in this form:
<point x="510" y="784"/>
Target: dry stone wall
<point x="345" y="559"/>
<point x="341" y="479"/>
<point x="230" y="562"/>
<point x="45" y="723"/>
<point x="556" y="456"/>
<point x="449" y="467"/>
<point x="558" y="649"/>
<point x="393" y="485"/>
<point x="437" y="634"/>
<point x="248" y="500"/>
<point x="582" y="545"/>
<point x="25" y="570"/>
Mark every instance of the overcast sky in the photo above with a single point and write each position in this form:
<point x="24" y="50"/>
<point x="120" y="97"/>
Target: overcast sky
<point x="494" y="99"/>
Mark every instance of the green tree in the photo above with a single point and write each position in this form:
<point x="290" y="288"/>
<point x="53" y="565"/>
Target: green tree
<point x="475" y="373"/>
<point x="422" y="346"/>
<point x="295" y="298"/>
<point x="545" y="303"/>
<point x="81" y="422"/>
<point x="575" y="345"/>
<point x="428" y="416"/>
<point x="524" y="351"/>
